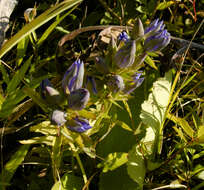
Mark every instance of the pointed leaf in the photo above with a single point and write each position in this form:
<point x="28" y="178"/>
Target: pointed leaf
<point x="19" y="75"/>
<point x="36" y="23"/>
<point x="14" y="162"/>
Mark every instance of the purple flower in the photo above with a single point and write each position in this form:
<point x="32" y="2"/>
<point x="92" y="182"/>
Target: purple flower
<point x="135" y="83"/>
<point x="49" y="93"/>
<point x="123" y="36"/>
<point x="73" y="78"/>
<point x="101" y="65"/>
<point x="78" y="99"/>
<point x="78" y="124"/>
<point x="154" y="27"/>
<point x="91" y="84"/>
<point x="58" y="117"/>
<point x="157" y="42"/>
<point x="125" y="56"/>
<point x="115" y="83"/>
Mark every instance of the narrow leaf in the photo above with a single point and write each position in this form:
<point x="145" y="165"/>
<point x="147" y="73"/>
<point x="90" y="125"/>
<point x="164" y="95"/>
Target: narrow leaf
<point x="19" y="75"/>
<point x="36" y="23"/>
<point x="13" y="163"/>
<point x="183" y="123"/>
<point x="52" y="27"/>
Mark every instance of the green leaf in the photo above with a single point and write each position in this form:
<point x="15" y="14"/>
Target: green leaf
<point x="200" y="135"/>
<point x="150" y="62"/>
<point x="14" y="162"/>
<point x="36" y="23"/>
<point x="36" y="98"/>
<point x="183" y="123"/>
<point x="117" y="179"/>
<point x="52" y="27"/>
<point x="69" y="182"/>
<point x="164" y="5"/>
<point x="113" y="161"/>
<point x="153" y="112"/>
<point x="136" y="166"/>
<point x="45" y="128"/>
<point x="21" y="49"/>
<point x="48" y="140"/>
<point x="19" y="75"/>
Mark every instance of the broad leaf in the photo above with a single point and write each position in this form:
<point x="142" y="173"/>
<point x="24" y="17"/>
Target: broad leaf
<point x="14" y="162"/>
<point x="69" y="182"/>
<point x="136" y="166"/>
<point x="153" y="112"/>
<point x="113" y="161"/>
<point x="117" y="179"/>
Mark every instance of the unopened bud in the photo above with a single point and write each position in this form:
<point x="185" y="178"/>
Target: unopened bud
<point x="58" y="117"/>
<point x="125" y="56"/>
<point x="78" y="124"/>
<point x="73" y="78"/>
<point x="78" y="99"/>
<point x="115" y="83"/>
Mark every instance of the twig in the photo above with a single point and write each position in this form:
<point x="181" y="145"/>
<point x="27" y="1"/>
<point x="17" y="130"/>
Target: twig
<point x="76" y="32"/>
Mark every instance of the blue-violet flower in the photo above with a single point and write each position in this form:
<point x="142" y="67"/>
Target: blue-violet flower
<point x="91" y="84"/>
<point x="115" y="83"/>
<point x="58" y="117"/>
<point x="135" y="83"/>
<point x="78" y="124"/>
<point x="125" y="56"/>
<point x="123" y="36"/>
<point x="73" y="78"/>
<point x="78" y="99"/>
<point x="49" y="93"/>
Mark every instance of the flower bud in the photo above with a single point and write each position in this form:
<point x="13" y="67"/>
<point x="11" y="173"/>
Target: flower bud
<point x="78" y="124"/>
<point x="49" y="93"/>
<point x="125" y="56"/>
<point x="157" y="42"/>
<point x="73" y="78"/>
<point x="135" y="83"/>
<point x="58" y="117"/>
<point x="91" y="84"/>
<point x="123" y="36"/>
<point x="78" y="99"/>
<point x="115" y="83"/>
<point x="138" y="29"/>
<point x="101" y="65"/>
<point x="154" y="27"/>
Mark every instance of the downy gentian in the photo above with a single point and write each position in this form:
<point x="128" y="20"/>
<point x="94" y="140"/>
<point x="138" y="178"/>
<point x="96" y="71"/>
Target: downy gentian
<point x="135" y="83"/>
<point x="73" y="77"/>
<point x="115" y="83"/>
<point x="78" y="99"/>
<point x="125" y="56"/>
<point x="78" y="124"/>
<point x="49" y="93"/>
<point x="58" y="117"/>
<point x="157" y="37"/>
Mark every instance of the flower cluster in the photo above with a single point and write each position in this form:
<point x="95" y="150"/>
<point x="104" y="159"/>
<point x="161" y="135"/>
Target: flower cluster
<point x="118" y="73"/>
<point x="77" y="97"/>
<point x="157" y="36"/>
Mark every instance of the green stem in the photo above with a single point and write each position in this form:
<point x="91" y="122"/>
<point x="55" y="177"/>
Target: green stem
<point x="81" y="167"/>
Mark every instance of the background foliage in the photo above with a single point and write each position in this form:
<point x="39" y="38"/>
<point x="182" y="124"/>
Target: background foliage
<point x="154" y="139"/>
